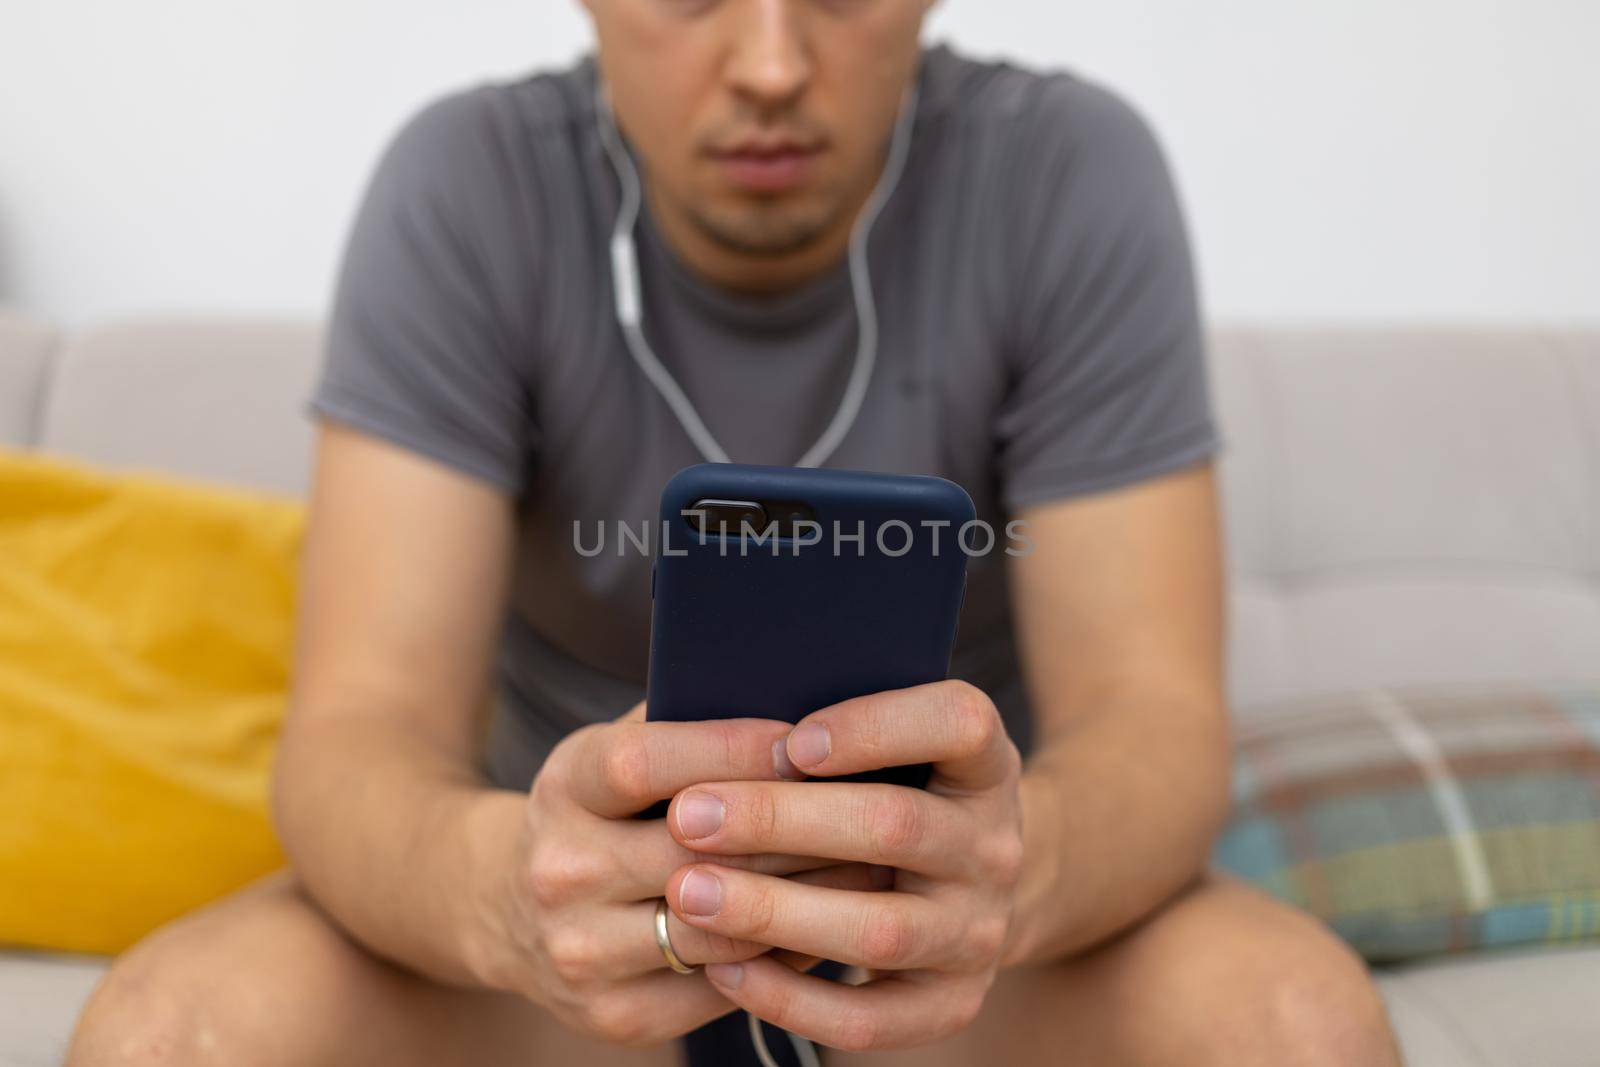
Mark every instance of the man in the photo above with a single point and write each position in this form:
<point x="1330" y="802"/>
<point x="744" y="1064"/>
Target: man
<point x="461" y="900"/>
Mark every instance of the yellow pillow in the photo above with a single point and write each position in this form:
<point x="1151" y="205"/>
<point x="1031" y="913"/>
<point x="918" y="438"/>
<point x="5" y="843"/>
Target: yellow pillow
<point x="145" y="631"/>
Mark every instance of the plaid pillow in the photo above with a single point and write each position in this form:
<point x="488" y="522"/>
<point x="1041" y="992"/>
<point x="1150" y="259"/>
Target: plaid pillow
<point x="1426" y="819"/>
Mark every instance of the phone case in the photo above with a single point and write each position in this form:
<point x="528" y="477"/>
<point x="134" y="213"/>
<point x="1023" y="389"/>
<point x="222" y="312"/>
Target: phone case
<point x="781" y="628"/>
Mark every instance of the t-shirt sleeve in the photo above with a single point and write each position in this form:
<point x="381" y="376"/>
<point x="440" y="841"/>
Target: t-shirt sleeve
<point x="421" y="349"/>
<point x="1109" y="382"/>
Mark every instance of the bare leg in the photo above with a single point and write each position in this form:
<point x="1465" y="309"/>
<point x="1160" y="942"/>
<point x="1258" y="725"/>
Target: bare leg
<point x="263" y="978"/>
<point x="1222" y="975"/>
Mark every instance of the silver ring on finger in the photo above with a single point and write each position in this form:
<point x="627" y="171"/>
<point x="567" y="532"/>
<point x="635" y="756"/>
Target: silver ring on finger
<point x="664" y="941"/>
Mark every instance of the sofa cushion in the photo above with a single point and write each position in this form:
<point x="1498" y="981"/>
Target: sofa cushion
<point x="1505" y="1008"/>
<point x="40" y="998"/>
<point x="1428" y="819"/>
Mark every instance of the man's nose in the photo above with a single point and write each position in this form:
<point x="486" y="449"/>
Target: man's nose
<point x="770" y="62"/>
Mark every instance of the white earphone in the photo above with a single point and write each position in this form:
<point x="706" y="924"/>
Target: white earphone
<point x="630" y="310"/>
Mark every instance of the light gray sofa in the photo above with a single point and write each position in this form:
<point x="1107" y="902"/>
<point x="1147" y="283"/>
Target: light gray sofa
<point x="1402" y="506"/>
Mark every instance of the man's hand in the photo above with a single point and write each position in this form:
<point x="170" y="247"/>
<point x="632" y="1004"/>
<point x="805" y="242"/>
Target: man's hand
<point x="935" y="941"/>
<point x="571" y="915"/>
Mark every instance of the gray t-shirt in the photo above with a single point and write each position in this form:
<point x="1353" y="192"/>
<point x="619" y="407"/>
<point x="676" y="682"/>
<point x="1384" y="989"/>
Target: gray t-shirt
<point x="1039" y="338"/>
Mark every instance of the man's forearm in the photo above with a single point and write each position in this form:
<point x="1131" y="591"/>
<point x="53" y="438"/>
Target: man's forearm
<point x="393" y="838"/>
<point x="1120" y="811"/>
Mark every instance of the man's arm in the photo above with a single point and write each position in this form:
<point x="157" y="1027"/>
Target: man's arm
<point x="549" y="894"/>
<point x="404" y="583"/>
<point x="1120" y="619"/>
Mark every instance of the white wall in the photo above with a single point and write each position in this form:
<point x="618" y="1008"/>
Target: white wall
<point x="1341" y="159"/>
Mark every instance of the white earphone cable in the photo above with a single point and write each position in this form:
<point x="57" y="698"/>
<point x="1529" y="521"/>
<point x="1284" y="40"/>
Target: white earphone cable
<point x="803" y="1049"/>
<point x="861" y="286"/>
<point x="628" y="296"/>
<point x="626" y="291"/>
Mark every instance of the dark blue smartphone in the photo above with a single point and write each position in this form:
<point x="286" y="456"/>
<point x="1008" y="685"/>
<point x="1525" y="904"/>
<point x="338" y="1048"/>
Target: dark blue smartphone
<point x="782" y="590"/>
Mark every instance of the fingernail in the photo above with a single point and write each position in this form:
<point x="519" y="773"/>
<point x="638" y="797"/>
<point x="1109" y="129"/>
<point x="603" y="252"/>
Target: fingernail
<point x="781" y="764"/>
<point x="700" y="893"/>
<point x="699" y="815"/>
<point x="726" y="975"/>
<point x="809" y="744"/>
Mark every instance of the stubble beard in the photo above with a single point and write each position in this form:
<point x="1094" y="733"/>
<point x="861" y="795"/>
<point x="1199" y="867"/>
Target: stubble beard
<point x="766" y="231"/>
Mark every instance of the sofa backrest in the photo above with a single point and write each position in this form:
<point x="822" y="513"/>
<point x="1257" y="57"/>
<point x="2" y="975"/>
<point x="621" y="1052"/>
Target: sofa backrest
<point x="215" y="398"/>
<point x="1402" y="505"/>
<point x="26" y="348"/>
<point x="1410" y="505"/>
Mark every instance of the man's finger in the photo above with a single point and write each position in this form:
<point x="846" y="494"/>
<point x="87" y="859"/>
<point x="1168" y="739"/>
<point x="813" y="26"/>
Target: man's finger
<point x="643" y="856"/>
<point x="950" y="724"/>
<point x="886" y="1013"/>
<point x="621" y="768"/>
<point x="656" y="1007"/>
<point x="861" y="822"/>
<point x="628" y="945"/>
<point x="877" y="930"/>
<point x="661" y="1005"/>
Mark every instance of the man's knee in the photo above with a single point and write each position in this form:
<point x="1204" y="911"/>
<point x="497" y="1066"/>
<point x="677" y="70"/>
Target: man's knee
<point x="162" y="1005"/>
<point x="207" y="989"/>
<point x="1323" y="1009"/>
<point x="1257" y="982"/>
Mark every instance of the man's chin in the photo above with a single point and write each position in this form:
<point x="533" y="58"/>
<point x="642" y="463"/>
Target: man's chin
<point x="767" y="233"/>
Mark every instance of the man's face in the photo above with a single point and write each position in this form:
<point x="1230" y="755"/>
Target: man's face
<point x="763" y="122"/>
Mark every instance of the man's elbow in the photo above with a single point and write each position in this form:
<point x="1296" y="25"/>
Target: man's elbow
<point x="1211" y="761"/>
<point x="295" y="797"/>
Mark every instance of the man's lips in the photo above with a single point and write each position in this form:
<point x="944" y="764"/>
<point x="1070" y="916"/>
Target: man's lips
<point x="767" y="167"/>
